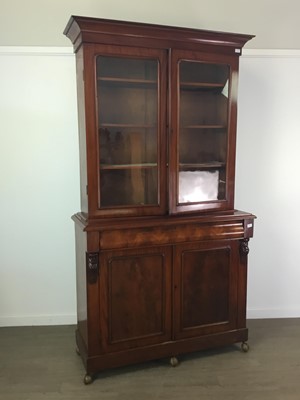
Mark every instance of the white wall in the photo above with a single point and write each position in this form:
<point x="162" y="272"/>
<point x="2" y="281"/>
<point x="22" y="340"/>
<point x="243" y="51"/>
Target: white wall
<point x="39" y="186"/>
<point x="40" y="182"/>
<point x="39" y="175"/>
<point x="40" y="23"/>
<point x="268" y="165"/>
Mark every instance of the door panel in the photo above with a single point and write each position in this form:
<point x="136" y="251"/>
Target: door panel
<point x="136" y="305"/>
<point x="205" y="288"/>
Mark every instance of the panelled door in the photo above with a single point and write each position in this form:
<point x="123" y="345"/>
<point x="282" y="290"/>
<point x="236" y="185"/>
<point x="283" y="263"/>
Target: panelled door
<point x="205" y="288"/>
<point x="135" y="299"/>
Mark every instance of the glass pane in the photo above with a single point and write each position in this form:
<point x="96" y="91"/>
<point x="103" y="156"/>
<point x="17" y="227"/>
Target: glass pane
<point x="203" y="124"/>
<point x="127" y="91"/>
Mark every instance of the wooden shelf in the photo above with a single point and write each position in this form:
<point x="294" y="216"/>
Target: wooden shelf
<point x="128" y="166"/>
<point x="208" y="165"/>
<point x="128" y="126"/>
<point x="204" y="126"/>
<point x="126" y="82"/>
<point x="201" y="85"/>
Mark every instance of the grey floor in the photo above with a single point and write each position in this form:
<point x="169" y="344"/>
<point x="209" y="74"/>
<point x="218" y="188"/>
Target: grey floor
<point x="38" y="363"/>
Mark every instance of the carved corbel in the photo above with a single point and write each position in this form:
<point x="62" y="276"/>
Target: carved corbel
<point x="244" y="248"/>
<point x="92" y="262"/>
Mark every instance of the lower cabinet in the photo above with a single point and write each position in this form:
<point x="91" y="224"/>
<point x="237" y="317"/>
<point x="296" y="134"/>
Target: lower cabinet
<point x="139" y="300"/>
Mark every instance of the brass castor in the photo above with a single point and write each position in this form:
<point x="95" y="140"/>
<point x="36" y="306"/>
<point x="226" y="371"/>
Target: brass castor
<point x="174" y="361"/>
<point x="88" y="379"/>
<point x="245" y="347"/>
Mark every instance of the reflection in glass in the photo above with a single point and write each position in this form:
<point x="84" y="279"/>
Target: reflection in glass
<point x="195" y="186"/>
<point x="127" y="119"/>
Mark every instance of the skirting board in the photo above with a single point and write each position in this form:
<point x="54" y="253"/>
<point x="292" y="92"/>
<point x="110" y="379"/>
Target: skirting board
<point x="273" y="313"/>
<point x="38" y="320"/>
<point x="44" y="320"/>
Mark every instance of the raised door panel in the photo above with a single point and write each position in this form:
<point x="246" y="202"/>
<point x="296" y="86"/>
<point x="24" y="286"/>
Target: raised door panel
<point x="205" y="288"/>
<point x="135" y="298"/>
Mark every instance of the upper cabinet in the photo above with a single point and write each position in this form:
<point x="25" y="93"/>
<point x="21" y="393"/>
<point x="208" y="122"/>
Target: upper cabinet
<point x="157" y="117"/>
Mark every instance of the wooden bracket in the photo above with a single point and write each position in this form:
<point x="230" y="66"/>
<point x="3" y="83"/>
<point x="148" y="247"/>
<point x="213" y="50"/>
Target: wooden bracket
<point x="244" y="248"/>
<point x="92" y="263"/>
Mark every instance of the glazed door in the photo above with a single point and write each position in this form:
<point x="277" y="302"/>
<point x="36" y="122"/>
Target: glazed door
<point x="127" y="137"/>
<point x="205" y="288"/>
<point x="135" y="299"/>
<point x="202" y="146"/>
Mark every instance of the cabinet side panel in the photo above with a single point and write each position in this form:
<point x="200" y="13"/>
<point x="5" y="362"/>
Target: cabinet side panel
<point x="81" y="283"/>
<point x="82" y="130"/>
<point x="242" y="279"/>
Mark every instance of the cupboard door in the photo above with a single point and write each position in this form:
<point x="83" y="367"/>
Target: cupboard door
<point x="203" y="131"/>
<point x="205" y="287"/>
<point x="129" y="133"/>
<point x="135" y="299"/>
